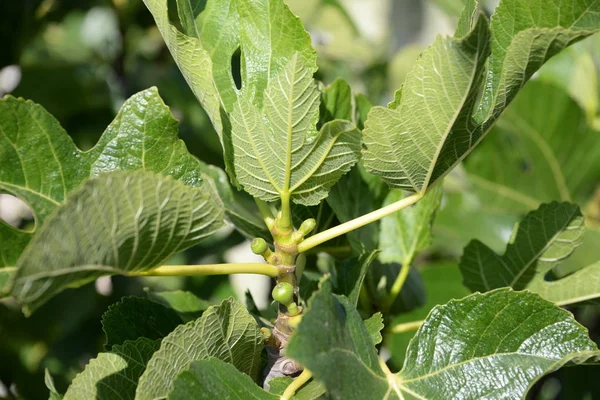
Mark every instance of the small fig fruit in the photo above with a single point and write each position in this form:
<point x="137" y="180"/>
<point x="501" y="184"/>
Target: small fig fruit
<point x="283" y="293"/>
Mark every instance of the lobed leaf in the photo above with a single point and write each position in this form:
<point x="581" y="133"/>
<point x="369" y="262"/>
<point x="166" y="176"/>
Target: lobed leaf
<point x="277" y="151"/>
<point x="525" y="35"/>
<point x="495" y="346"/>
<point x="405" y="144"/>
<point x="435" y="120"/>
<point x="265" y="31"/>
<point x="143" y="136"/>
<point x="117" y="223"/>
<point x="227" y="332"/>
<point x="541" y="241"/>
<point x="267" y="127"/>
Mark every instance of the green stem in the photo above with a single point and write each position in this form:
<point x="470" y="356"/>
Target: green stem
<point x="398" y="284"/>
<point x="285" y="220"/>
<point x="406" y="327"/>
<point x="211" y="269"/>
<point x="356" y="223"/>
<point x="263" y="208"/>
<point x="296" y="384"/>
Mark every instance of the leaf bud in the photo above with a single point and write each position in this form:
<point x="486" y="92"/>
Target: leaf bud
<point x="307" y="226"/>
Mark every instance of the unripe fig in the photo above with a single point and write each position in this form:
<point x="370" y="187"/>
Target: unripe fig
<point x="258" y="245"/>
<point x="283" y="293"/>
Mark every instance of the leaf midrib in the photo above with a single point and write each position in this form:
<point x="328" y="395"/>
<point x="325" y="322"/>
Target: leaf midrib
<point x="288" y="161"/>
<point x="434" y="161"/>
<point x="255" y="149"/>
<point x="320" y="162"/>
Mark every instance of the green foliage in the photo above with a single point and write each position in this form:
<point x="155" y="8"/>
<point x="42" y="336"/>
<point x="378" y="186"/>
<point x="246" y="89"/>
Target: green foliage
<point x="49" y="381"/>
<point x="360" y="261"/>
<point x="405" y="234"/>
<point x="187" y="305"/>
<point x="214" y="379"/>
<point x="160" y="216"/>
<point x="523" y="41"/>
<point x="351" y="198"/>
<point x="465" y="348"/>
<point x="442" y="282"/>
<point x="407" y="145"/>
<point x="42" y="165"/>
<point x="114" y="374"/>
<point x="410" y="151"/>
<point x="350" y="274"/>
<point x="542" y="239"/>
<point x="203" y="52"/>
<point x="135" y="317"/>
<point x="311" y="163"/>
<point x="226" y="332"/>
<point x="528" y="159"/>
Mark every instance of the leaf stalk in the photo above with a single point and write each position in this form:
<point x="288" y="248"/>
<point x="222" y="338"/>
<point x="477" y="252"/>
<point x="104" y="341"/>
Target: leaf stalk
<point x="264" y="209"/>
<point x="398" y="284"/>
<point x="296" y="385"/>
<point x="359" y="222"/>
<point x="211" y="269"/>
<point x="407" y="326"/>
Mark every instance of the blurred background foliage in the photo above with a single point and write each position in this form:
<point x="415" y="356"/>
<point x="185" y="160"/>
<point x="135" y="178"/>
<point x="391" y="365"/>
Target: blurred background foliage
<point x="81" y="59"/>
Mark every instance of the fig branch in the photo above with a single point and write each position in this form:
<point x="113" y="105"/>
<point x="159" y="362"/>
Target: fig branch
<point x="283" y="255"/>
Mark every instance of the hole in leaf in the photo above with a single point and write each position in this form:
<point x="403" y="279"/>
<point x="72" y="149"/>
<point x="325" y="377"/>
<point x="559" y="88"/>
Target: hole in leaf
<point x="174" y="15"/>
<point x="16" y="213"/>
<point x="236" y="68"/>
<point x="551" y="276"/>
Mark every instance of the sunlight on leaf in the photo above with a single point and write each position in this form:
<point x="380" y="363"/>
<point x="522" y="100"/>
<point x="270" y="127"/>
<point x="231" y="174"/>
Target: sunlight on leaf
<point x="123" y="222"/>
<point x="493" y="346"/>
<point x="278" y="151"/>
